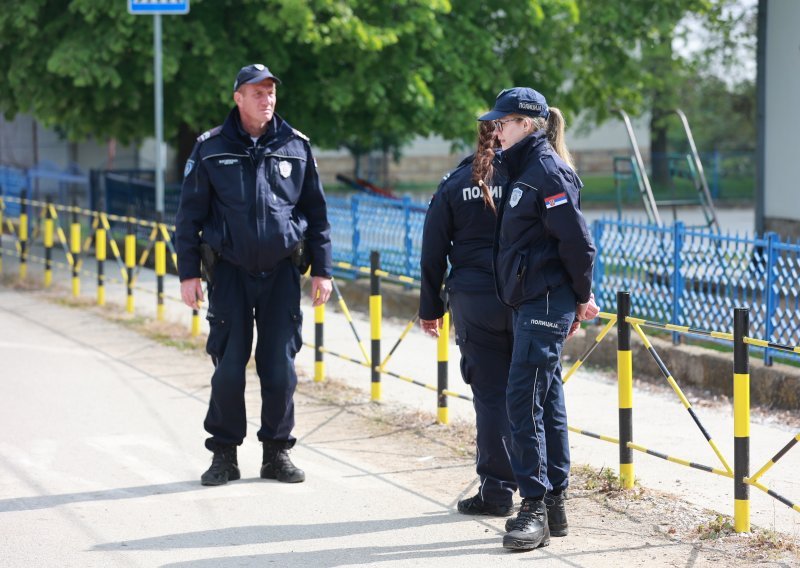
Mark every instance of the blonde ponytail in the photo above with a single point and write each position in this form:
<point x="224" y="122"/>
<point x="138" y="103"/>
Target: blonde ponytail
<point x="555" y="135"/>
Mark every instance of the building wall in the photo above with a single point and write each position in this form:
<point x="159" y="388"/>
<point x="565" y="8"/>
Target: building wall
<point x="782" y="118"/>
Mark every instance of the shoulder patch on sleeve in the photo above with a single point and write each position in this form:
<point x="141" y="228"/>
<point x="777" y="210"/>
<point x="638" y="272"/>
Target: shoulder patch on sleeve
<point x="209" y="133"/>
<point x="301" y="135"/>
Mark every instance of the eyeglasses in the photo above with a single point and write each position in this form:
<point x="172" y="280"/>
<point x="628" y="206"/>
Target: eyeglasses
<point x="498" y="124"/>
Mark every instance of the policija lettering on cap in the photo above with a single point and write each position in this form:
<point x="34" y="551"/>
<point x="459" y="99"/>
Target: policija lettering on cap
<point x="518" y="100"/>
<point x="254" y="73"/>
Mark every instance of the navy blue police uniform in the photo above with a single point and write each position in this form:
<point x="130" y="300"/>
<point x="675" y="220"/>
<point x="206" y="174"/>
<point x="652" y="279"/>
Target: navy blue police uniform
<point x="253" y="202"/>
<point x="543" y="257"/>
<point x="460" y="227"/>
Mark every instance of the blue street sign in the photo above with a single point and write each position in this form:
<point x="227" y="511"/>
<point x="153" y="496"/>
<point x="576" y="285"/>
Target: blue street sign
<point x="152" y="7"/>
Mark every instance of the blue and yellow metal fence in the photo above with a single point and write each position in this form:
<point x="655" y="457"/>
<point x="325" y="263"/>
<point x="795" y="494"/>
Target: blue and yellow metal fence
<point x="159" y="240"/>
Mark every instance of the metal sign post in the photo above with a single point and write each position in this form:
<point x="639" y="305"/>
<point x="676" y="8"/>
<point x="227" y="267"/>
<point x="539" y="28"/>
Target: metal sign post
<point x="156" y="8"/>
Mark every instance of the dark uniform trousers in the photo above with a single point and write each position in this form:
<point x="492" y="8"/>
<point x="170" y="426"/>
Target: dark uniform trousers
<point x="272" y="299"/>
<point x="484" y="334"/>
<point x="536" y="409"/>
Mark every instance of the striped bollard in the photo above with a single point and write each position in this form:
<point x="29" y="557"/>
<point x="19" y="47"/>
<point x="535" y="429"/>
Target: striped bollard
<point x="442" y="358"/>
<point x="625" y="388"/>
<point x="161" y="269"/>
<point x="375" y="319"/>
<point x="75" y="248"/>
<point x="319" y="328"/>
<point x="23" y="234"/>
<point x="741" y="421"/>
<point x="2" y="208"/>
<point x="100" y="254"/>
<point x="130" y="262"/>
<point x="47" y="239"/>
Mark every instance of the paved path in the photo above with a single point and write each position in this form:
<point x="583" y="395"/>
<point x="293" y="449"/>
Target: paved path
<point x="100" y="453"/>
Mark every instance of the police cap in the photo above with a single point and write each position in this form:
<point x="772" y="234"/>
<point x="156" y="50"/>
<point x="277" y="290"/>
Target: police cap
<point x="518" y="100"/>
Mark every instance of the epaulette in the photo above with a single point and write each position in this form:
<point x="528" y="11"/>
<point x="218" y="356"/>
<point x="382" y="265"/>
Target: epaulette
<point x="300" y="135"/>
<point x="209" y="133"/>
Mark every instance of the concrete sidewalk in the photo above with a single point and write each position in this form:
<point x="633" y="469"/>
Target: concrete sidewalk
<point x="102" y="449"/>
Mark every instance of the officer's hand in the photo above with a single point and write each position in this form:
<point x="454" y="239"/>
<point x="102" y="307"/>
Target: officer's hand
<point x="192" y="292"/>
<point x="573" y="329"/>
<point x="587" y="311"/>
<point x="431" y="327"/>
<point x="320" y="290"/>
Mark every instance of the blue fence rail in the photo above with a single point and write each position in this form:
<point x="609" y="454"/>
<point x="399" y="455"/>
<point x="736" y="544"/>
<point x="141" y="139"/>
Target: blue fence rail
<point x="680" y="275"/>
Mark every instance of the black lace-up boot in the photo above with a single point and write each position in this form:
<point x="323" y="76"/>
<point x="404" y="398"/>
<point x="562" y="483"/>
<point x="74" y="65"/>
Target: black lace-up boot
<point x="224" y="467"/>
<point x="277" y="464"/>
<point x="529" y="528"/>
<point x="556" y="514"/>
<point x="476" y="506"/>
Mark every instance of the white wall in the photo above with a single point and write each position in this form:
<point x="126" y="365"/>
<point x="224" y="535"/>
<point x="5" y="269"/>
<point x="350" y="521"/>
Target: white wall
<point x="782" y="111"/>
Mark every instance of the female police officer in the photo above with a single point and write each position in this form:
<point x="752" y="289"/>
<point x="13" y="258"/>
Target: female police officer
<point x="459" y="225"/>
<point x="543" y="258"/>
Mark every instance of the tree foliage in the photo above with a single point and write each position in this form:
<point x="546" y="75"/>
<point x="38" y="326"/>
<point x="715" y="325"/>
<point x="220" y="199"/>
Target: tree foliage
<point x="360" y="73"/>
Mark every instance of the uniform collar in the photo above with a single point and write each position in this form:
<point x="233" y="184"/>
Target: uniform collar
<point x="515" y="158"/>
<point x="277" y="132"/>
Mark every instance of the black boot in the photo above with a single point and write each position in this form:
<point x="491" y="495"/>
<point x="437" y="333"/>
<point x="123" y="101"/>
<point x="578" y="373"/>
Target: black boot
<point x="277" y="465"/>
<point x="556" y="514"/>
<point x="476" y="506"/>
<point x="529" y="529"/>
<point x="224" y="467"/>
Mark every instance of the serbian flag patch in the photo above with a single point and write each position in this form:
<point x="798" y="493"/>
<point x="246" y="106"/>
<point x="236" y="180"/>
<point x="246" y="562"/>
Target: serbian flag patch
<point x="555" y="200"/>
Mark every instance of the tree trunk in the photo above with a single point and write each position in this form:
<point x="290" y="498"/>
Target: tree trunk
<point x="659" y="164"/>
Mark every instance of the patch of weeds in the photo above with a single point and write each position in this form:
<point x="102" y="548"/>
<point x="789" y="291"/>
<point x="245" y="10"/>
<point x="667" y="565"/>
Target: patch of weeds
<point x="773" y="541"/>
<point x="719" y="526"/>
<point x="604" y="480"/>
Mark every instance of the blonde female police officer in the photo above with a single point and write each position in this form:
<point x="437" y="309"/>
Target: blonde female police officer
<point x="459" y="226"/>
<point x="543" y="259"/>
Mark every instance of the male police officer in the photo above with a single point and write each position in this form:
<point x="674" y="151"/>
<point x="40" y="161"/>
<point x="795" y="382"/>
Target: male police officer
<point x="251" y="194"/>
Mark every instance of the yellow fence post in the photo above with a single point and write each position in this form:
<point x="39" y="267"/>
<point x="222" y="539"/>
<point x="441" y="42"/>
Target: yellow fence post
<point x="75" y="248"/>
<point x="100" y="254"/>
<point x="161" y="269"/>
<point x="319" y="327"/>
<point x="130" y="262"/>
<point x="741" y="421"/>
<point x="442" y="358"/>
<point x="23" y="234"/>
<point x="47" y="239"/>
<point x="2" y="208"/>
<point x="625" y="387"/>
<point x="375" y="319"/>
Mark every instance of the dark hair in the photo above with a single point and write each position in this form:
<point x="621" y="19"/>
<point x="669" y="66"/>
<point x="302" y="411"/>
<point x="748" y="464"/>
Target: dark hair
<point x="482" y="168"/>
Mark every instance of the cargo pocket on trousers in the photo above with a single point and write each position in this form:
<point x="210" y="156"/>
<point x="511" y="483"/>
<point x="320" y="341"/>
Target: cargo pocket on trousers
<point x="296" y="342"/>
<point x="219" y="325"/>
<point x="465" y="365"/>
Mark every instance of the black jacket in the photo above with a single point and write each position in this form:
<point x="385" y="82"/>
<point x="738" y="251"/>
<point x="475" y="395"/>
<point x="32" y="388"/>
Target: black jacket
<point x="458" y="226"/>
<point x="253" y="203"/>
<point x="542" y="239"/>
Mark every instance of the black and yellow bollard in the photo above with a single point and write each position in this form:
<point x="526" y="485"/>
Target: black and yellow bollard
<point x="375" y="320"/>
<point x="625" y="388"/>
<point x="75" y="248"/>
<point x="23" y="234"/>
<point x="442" y="359"/>
<point x="47" y="239"/>
<point x="130" y="262"/>
<point x="100" y="253"/>
<point x="741" y="421"/>
<point x="2" y="208"/>
<point x="161" y="269"/>
<point x="319" y="343"/>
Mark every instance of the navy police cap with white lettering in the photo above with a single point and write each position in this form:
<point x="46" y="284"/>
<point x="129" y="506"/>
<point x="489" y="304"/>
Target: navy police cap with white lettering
<point x="254" y="73"/>
<point x="518" y="100"/>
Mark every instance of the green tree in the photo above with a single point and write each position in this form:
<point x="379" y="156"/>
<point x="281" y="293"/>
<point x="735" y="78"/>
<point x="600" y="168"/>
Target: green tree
<point x="365" y="74"/>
